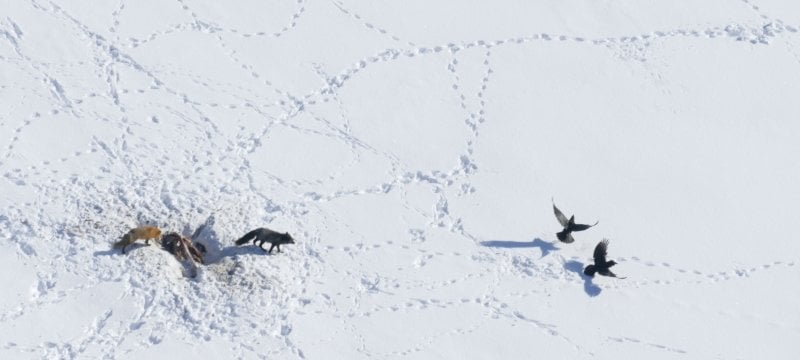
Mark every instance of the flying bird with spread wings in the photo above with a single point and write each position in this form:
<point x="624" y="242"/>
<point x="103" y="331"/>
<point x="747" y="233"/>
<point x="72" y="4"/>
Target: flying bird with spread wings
<point x="569" y="226"/>
<point x="601" y="265"/>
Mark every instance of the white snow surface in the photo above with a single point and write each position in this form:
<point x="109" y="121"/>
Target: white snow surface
<point x="412" y="148"/>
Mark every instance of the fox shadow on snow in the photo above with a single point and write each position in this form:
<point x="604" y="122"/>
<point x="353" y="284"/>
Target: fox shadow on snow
<point x="218" y="248"/>
<point x="128" y="249"/>
<point x="234" y="250"/>
<point x="588" y="286"/>
<point x="544" y="246"/>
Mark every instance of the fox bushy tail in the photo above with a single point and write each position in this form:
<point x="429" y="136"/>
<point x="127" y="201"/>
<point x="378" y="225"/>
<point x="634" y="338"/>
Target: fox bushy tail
<point x="247" y="237"/>
<point x="122" y="242"/>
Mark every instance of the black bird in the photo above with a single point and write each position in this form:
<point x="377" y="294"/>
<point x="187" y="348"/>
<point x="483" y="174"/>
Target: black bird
<point x="569" y="226"/>
<point x="601" y="266"/>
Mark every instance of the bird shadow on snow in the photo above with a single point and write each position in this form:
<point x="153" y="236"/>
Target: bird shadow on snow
<point x="544" y="246"/>
<point x="588" y="286"/>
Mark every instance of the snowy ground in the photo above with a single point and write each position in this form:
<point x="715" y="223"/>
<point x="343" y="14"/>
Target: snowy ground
<point x="412" y="148"/>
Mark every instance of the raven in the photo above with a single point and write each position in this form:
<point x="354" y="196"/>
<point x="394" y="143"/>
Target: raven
<point x="569" y="226"/>
<point x="601" y="266"/>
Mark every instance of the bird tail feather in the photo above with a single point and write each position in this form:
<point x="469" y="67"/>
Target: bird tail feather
<point x="590" y="270"/>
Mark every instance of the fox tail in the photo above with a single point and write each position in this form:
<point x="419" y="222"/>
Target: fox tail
<point x="122" y="242"/>
<point x="244" y="239"/>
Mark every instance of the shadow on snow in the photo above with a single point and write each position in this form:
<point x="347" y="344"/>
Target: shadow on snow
<point x="544" y="246"/>
<point x="588" y="286"/>
<point x="118" y="251"/>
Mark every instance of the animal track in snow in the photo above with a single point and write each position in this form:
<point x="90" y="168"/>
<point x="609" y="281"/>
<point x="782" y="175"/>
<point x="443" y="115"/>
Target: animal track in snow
<point x="339" y="5"/>
<point x="637" y="341"/>
<point x="701" y="277"/>
<point x="198" y="310"/>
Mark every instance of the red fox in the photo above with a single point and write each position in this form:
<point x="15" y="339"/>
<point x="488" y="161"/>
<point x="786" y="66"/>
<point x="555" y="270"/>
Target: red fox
<point x="143" y="232"/>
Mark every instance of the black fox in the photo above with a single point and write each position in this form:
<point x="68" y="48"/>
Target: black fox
<point x="569" y="226"/>
<point x="262" y="235"/>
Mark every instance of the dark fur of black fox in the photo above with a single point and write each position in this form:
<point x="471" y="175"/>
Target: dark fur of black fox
<point x="262" y="235"/>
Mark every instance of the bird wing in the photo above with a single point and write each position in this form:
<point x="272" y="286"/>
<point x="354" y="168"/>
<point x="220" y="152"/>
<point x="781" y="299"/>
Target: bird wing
<point x="600" y="252"/>
<point x="581" y="227"/>
<point x="560" y="216"/>
<point x="609" y="273"/>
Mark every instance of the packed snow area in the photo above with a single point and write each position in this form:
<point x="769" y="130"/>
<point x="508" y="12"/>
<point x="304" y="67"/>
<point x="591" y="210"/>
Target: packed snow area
<point x="413" y="149"/>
